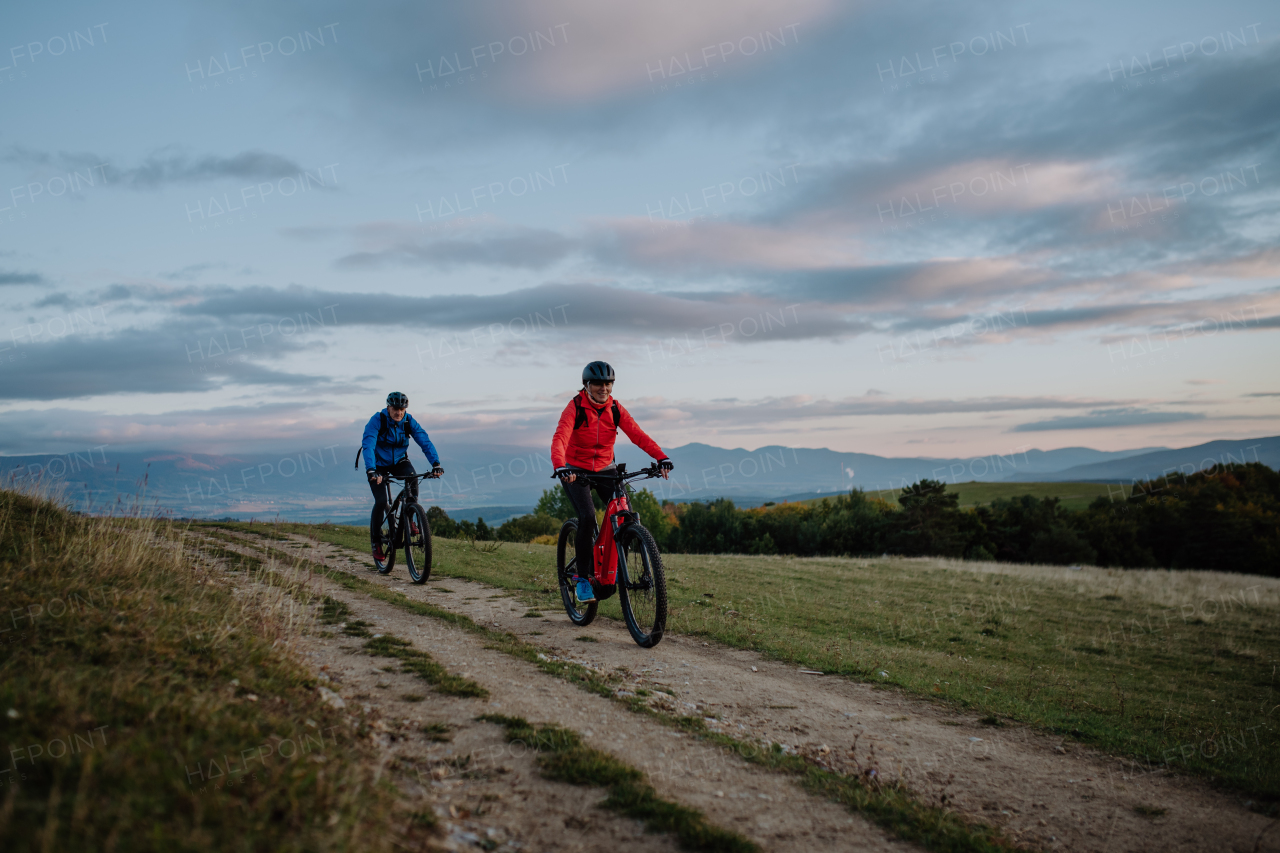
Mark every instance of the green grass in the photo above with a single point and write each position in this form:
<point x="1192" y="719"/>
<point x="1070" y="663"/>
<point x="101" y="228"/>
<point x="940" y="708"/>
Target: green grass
<point x="129" y="644"/>
<point x="893" y="807"/>
<point x="1074" y="496"/>
<point x="1164" y="668"/>
<point x="563" y="757"/>
<point x="438" y="732"/>
<point x="424" y="666"/>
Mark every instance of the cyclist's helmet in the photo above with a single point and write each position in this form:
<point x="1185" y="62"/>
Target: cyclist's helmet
<point x="396" y="400"/>
<point x="597" y="371"/>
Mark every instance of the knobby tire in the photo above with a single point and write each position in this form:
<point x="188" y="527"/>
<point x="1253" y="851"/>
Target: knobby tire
<point x="642" y="585"/>
<point x="417" y="549"/>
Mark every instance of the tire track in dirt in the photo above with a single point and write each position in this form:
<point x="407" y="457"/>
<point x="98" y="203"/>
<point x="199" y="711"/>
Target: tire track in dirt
<point x="1041" y="791"/>
<point x="479" y="783"/>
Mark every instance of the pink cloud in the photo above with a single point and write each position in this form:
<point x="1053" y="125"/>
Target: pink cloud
<point x="609" y="46"/>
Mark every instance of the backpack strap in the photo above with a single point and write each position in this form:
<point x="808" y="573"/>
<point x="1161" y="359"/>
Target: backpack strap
<point x="580" y="419"/>
<point x="382" y="433"/>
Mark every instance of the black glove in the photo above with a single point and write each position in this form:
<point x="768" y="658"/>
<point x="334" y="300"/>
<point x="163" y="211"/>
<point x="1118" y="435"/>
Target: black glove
<point x="371" y="474"/>
<point x="437" y="472"/>
<point x="563" y="473"/>
<point x="666" y="464"/>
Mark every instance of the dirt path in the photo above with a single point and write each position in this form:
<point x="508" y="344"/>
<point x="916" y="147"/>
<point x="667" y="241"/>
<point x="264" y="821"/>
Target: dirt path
<point x="486" y="791"/>
<point x="1044" y="793"/>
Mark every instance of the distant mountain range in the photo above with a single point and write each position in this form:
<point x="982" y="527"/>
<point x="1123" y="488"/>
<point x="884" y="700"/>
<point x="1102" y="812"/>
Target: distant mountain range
<point x="498" y="481"/>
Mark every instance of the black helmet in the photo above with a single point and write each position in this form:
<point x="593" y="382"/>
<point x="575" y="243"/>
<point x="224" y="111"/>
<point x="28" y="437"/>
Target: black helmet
<point x="597" y="371"/>
<point x="396" y="400"/>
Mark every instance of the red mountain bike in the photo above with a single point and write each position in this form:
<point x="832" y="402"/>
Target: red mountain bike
<point x="626" y="561"/>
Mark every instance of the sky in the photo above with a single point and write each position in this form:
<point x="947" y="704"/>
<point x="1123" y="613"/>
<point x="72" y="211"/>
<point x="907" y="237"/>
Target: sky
<point x="909" y="229"/>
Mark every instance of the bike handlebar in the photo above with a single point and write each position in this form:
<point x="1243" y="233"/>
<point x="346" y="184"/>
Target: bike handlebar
<point x="652" y="471"/>
<point x="425" y="476"/>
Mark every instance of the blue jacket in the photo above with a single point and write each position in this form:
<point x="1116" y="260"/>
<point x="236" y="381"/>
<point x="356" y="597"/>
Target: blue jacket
<point x="393" y="446"/>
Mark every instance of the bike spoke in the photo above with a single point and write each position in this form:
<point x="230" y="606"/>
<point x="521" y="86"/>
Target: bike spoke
<point x="644" y="595"/>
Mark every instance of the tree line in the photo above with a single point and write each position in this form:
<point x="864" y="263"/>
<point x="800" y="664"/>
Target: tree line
<point x="1226" y="521"/>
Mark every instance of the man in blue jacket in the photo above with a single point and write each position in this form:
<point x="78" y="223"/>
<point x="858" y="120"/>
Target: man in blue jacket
<point x="386" y="451"/>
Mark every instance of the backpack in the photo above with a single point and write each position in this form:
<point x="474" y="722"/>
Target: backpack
<point x="382" y="432"/>
<point x="580" y="420"/>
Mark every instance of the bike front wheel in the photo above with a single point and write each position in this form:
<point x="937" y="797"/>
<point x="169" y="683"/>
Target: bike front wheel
<point x="417" y="549"/>
<point x="566" y="569"/>
<point x="642" y="585"/>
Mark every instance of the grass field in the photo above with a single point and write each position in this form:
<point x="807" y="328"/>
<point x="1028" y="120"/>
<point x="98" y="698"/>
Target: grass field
<point x="1174" y="669"/>
<point x="144" y="706"/>
<point x="1072" y="495"/>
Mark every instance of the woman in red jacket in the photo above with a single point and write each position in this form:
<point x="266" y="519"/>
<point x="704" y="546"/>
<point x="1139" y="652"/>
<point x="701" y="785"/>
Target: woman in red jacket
<point x="584" y="439"/>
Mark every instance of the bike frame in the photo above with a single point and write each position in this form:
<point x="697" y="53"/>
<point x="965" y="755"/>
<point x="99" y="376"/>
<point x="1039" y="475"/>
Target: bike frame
<point x="395" y="512"/>
<point x="617" y="515"/>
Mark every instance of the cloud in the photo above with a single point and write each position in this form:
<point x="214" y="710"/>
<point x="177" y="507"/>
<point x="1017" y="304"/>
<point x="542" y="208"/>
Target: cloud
<point x="192" y="271"/>
<point x="166" y="166"/>
<point x="288" y="427"/>
<point x="171" y="358"/>
<point x="392" y="244"/>
<point x="569" y="309"/>
<point x="1109" y="419"/>
<point x="610" y="46"/>
<point x="779" y="409"/>
<point x="21" y="278"/>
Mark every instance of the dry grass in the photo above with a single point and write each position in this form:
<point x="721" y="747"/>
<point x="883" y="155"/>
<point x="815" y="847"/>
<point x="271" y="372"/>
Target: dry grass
<point x="153" y="704"/>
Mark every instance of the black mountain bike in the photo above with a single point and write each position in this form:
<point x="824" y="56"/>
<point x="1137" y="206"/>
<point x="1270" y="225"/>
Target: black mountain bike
<point x="626" y="561"/>
<point x="405" y="526"/>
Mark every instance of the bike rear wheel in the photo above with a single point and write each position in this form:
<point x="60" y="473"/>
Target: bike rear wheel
<point x="642" y="585"/>
<point x="566" y="568"/>
<point x="417" y="549"/>
<point x="389" y="544"/>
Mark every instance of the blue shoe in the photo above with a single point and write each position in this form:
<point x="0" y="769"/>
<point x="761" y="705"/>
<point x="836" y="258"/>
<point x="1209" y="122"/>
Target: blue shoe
<point x="585" y="593"/>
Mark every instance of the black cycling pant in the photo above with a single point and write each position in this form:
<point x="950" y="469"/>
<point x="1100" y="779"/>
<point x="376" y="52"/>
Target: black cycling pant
<point x="579" y="492"/>
<point x="382" y="495"/>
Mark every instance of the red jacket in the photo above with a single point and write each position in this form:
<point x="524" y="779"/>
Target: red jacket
<point x="590" y="445"/>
